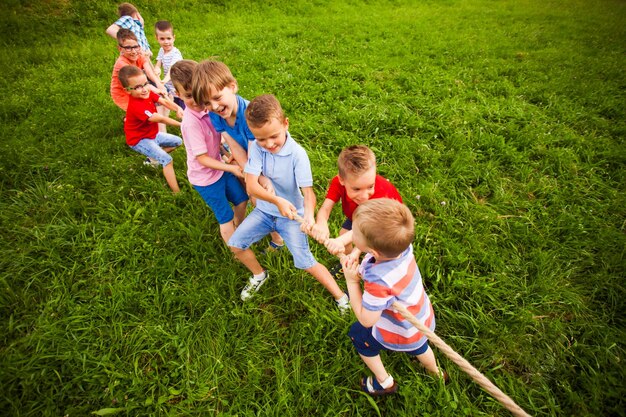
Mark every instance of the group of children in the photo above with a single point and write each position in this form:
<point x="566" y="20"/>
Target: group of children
<point x="268" y="167"/>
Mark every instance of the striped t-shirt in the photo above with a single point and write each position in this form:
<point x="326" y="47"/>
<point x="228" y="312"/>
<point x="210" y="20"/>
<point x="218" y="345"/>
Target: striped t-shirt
<point x="396" y="280"/>
<point x="167" y="60"/>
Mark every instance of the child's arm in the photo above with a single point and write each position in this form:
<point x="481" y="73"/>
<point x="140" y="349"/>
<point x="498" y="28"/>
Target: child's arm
<point x="240" y="155"/>
<point x="112" y="31"/>
<point x="255" y="189"/>
<point x="211" y="163"/>
<point x="157" y="69"/>
<point x="147" y="67"/>
<point x="353" y="282"/>
<point x="157" y="118"/>
<point x="309" y="209"/>
<point x="172" y="106"/>
<point x="320" y="228"/>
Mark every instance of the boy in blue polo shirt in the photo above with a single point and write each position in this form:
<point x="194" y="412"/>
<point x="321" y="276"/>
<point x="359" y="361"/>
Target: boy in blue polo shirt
<point x="214" y="86"/>
<point x="280" y="159"/>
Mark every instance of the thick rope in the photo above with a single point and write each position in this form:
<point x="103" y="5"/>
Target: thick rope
<point x="474" y="373"/>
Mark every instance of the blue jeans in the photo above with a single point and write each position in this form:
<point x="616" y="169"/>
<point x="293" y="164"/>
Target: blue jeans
<point x="152" y="148"/>
<point x="259" y="224"/>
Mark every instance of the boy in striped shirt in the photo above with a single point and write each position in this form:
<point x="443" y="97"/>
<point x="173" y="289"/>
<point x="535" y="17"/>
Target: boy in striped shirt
<point x="384" y="229"/>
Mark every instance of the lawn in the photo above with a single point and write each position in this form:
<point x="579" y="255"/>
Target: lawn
<point x="501" y="123"/>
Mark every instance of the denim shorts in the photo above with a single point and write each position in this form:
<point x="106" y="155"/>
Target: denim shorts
<point x="258" y="224"/>
<point x="366" y="345"/>
<point x="152" y="148"/>
<point x="217" y="195"/>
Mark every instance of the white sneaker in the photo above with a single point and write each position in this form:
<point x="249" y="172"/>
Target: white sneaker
<point x="343" y="304"/>
<point x="253" y="286"/>
<point x="151" y="162"/>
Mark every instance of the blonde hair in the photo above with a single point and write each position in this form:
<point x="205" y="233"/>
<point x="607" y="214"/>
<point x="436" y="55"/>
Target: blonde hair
<point x="263" y="109"/>
<point x="355" y="160"/>
<point x="207" y="75"/>
<point x="387" y="226"/>
<point x="181" y="74"/>
<point x="126" y="9"/>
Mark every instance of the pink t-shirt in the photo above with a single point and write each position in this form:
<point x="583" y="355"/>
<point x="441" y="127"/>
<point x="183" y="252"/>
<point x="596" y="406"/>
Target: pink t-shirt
<point x="200" y="137"/>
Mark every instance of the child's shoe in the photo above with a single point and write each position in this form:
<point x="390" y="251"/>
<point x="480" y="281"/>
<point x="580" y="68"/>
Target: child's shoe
<point x="343" y="304"/>
<point x="337" y="271"/>
<point x="372" y="387"/>
<point x="151" y="162"/>
<point x="253" y="285"/>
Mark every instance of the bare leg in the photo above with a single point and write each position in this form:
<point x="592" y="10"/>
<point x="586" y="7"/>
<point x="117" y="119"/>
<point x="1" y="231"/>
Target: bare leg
<point x="375" y="364"/>
<point x="427" y="359"/>
<point x="169" y="149"/>
<point x="247" y="257"/>
<point x="277" y="239"/>
<point x="321" y="274"/>
<point x="227" y="230"/>
<point x="170" y="177"/>
<point x="163" y="111"/>
<point x="240" y="213"/>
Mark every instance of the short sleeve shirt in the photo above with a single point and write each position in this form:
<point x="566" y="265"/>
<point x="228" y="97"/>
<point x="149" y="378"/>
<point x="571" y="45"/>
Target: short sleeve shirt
<point x="240" y="131"/>
<point x="200" y="138"/>
<point x="167" y="60"/>
<point x="396" y="280"/>
<point x="382" y="189"/>
<point x="137" y="126"/>
<point x="119" y="95"/>
<point x="136" y="27"/>
<point x="289" y="170"/>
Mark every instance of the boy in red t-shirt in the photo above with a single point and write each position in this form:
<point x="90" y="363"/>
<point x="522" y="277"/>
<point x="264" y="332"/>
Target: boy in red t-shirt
<point x="356" y="183"/>
<point x="141" y="122"/>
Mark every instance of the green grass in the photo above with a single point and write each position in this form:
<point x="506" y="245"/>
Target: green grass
<point x="501" y="123"/>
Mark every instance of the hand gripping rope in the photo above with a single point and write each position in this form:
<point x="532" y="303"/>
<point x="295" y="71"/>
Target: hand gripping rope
<point x="474" y="373"/>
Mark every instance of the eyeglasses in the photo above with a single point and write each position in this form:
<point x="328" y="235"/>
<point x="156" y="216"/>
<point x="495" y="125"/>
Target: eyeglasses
<point x="138" y="87"/>
<point x="131" y="48"/>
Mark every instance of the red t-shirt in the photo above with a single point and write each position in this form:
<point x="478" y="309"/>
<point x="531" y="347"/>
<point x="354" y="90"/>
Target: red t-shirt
<point x="382" y="189"/>
<point x="137" y="126"/>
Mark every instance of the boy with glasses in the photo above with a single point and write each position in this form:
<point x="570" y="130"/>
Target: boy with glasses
<point x="131" y="55"/>
<point x="140" y="124"/>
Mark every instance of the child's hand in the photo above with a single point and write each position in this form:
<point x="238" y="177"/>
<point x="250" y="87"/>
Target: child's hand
<point x="320" y="232"/>
<point x="307" y="224"/>
<point x="335" y="246"/>
<point x="350" y="269"/>
<point x="286" y="208"/>
<point x="235" y="170"/>
<point x="157" y="71"/>
<point x="179" y="113"/>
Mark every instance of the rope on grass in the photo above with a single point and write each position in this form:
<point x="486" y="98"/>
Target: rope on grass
<point x="474" y="373"/>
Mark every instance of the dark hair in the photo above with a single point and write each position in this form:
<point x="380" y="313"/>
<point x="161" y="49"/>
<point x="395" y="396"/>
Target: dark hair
<point x="181" y="74"/>
<point x="124" y="34"/>
<point x="126" y="9"/>
<point x="163" y="25"/>
<point x="127" y="72"/>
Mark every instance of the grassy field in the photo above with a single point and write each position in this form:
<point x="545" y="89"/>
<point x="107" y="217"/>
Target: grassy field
<point x="502" y="124"/>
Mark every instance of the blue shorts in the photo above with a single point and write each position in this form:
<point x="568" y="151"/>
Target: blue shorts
<point x="152" y="148"/>
<point x="259" y="224"/>
<point x="366" y="345"/>
<point x="217" y="195"/>
<point x="347" y="225"/>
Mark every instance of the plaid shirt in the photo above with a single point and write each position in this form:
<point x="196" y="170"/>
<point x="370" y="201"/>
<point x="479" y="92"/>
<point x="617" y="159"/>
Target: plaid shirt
<point x="136" y="27"/>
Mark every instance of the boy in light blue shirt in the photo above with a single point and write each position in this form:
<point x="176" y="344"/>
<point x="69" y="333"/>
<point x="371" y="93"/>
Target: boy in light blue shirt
<point x="285" y="163"/>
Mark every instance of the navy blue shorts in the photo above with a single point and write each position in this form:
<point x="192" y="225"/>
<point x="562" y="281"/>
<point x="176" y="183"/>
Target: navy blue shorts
<point x="366" y="345"/>
<point x="347" y="224"/>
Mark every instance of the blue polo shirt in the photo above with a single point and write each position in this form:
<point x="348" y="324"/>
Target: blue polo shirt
<point x="240" y="131"/>
<point x="289" y="170"/>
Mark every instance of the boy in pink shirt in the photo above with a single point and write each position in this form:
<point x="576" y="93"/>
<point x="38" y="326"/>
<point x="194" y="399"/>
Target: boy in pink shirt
<point x="216" y="181"/>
